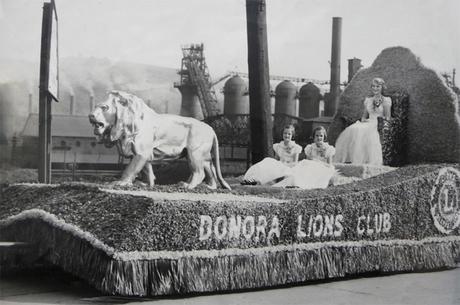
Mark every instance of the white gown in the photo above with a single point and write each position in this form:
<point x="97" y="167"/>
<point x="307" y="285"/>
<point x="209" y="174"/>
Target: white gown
<point x="313" y="172"/>
<point x="360" y="143"/>
<point x="269" y="170"/>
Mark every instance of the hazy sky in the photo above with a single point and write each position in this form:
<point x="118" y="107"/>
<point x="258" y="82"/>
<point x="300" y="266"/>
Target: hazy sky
<point x="299" y="31"/>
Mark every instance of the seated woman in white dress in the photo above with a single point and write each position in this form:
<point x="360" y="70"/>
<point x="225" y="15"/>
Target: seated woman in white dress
<point x="317" y="170"/>
<point x="320" y="150"/>
<point x="270" y="170"/>
<point x="360" y="143"/>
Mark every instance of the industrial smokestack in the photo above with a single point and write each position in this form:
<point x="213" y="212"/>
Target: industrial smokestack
<point x="354" y="64"/>
<point x="331" y="105"/>
<point x="91" y="103"/>
<point x="259" y="81"/>
<point x="71" y="104"/>
<point x="30" y="103"/>
<point x="453" y="78"/>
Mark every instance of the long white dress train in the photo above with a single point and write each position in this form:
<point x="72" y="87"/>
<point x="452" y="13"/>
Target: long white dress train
<point x="360" y="143"/>
<point x="312" y="173"/>
<point x="269" y="170"/>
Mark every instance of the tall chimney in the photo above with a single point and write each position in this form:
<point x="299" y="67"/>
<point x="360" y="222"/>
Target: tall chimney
<point x="30" y="103"/>
<point x="331" y="105"/>
<point x="71" y="104"/>
<point x="453" y="77"/>
<point x="259" y="81"/>
<point x="354" y="64"/>
<point x="91" y="103"/>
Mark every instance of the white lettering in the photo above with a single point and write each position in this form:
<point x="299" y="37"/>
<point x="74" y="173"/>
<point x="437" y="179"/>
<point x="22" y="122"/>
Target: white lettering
<point x="386" y="223"/>
<point x="205" y="227"/>
<point x="373" y="224"/>
<point x="260" y="228"/>
<point x="274" y="229"/>
<point x="248" y="232"/>
<point x="320" y="225"/>
<point x="220" y="220"/>
<point x="310" y="224"/>
<point x="448" y="205"/>
<point x="328" y="225"/>
<point x="300" y="232"/>
<point x="369" y="231"/>
<point x="378" y="221"/>
<point x="234" y="227"/>
<point x="338" y="225"/>
<point x="318" y="229"/>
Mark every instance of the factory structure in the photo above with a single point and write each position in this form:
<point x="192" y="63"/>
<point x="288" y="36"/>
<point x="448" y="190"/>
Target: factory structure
<point x="73" y="143"/>
<point x="297" y="101"/>
<point x="305" y="103"/>
<point x="298" y="97"/>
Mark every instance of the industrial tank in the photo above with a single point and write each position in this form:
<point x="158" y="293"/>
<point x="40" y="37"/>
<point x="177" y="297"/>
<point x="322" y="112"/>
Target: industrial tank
<point x="236" y="99"/>
<point x="285" y="98"/>
<point x="190" y="106"/>
<point x="309" y="98"/>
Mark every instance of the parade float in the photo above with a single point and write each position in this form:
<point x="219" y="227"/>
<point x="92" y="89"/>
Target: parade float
<point x="165" y="240"/>
<point x="146" y="243"/>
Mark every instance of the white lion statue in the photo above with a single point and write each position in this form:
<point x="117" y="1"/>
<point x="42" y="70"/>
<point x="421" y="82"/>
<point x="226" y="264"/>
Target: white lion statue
<point x="144" y="135"/>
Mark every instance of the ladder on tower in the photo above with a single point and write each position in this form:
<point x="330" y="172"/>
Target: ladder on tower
<point x="206" y="95"/>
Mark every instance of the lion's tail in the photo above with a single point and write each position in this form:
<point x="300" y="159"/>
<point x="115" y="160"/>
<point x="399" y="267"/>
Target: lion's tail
<point x="215" y="148"/>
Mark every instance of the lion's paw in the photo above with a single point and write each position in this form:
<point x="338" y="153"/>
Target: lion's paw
<point x="183" y="184"/>
<point x="140" y="183"/>
<point x="121" y="183"/>
<point x="211" y="186"/>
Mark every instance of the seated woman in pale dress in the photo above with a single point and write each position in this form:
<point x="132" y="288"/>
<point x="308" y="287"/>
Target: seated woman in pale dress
<point x="360" y="143"/>
<point x="270" y="170"/>
<point x="317" y="170"/>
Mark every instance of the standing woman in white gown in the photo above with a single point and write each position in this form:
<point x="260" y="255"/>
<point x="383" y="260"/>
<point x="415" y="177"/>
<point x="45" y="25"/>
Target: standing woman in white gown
<point x="270" y="170"/>
<point x="360" y="143"/>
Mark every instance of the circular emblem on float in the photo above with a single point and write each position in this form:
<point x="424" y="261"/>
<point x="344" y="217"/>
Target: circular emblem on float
<point x="445" y="200"/>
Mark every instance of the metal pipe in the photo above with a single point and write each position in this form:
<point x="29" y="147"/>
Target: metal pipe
<point x="354" y="64"/>
<point x="30" y="103"/>
<point x="331" y="106"/>
<point x="71" y="104"/>
<point x="91" y="103"/>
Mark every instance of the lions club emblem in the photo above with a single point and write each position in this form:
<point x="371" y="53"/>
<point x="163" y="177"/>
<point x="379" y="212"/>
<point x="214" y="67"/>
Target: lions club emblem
<point x="445" y="200"/>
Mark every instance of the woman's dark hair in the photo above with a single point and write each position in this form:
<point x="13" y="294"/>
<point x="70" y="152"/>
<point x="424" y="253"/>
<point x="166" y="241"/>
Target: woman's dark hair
<point x="317" y="129"/>
<point x="291" y="127"/>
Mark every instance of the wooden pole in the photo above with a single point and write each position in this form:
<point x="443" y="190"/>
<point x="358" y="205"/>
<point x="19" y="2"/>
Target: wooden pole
<point x="259" y="81"/>
<point x="44" y="111"/>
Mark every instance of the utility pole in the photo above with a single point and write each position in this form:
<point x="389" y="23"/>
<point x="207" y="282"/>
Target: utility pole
<point x="259" y="81"/>
<point x="48" y="88"/>
<point x="44" y="110"/>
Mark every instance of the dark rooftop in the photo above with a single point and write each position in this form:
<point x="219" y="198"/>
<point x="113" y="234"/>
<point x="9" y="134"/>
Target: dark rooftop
<point x="64" y="125"/>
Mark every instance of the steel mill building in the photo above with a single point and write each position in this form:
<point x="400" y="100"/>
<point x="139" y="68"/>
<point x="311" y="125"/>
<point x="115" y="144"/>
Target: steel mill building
<point x="72" y="142"/>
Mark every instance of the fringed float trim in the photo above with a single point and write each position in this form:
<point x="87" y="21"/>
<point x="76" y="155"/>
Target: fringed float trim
<point x="177" y="272"/>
